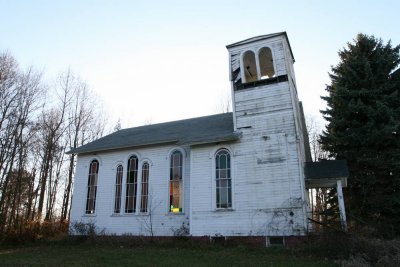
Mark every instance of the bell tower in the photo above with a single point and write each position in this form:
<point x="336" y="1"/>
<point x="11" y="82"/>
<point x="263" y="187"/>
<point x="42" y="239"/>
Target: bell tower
<point x="256" y="64"/>
<point x="268" y="114"/>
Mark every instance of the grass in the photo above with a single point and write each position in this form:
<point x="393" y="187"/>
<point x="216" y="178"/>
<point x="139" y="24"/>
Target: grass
<point x="63" y="253"/>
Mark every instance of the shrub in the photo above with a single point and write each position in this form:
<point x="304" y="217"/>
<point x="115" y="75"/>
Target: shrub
<point x="352" y="250"/>
<point x="85" y="229"/>
<point x="183" y="230"/>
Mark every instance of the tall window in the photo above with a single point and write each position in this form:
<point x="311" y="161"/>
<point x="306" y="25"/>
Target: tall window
<point x="145" y="187"/>
<point x="266" y="63"/>
<point x="223" y="179"/>
<point x="175" y="182"/>
<point x="250" y="67"/>
<point x="131" y="185"/>
<point x="92" y="187"/>
<point x="118" y="189"/>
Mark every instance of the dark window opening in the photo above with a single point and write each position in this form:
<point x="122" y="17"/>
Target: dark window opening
<point x="145" y="188"/>
<point x="118" y="189"/>
<point x="131" y="185"/>
<point x="92" y="187"/>
<point x="276" y="241"/>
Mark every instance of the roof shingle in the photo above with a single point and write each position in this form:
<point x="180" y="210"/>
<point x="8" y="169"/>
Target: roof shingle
<point x="208" y="129"/>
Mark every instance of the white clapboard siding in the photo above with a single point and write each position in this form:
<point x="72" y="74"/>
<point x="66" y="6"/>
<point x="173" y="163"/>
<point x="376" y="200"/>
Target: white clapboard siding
<point x="266" y="188"/>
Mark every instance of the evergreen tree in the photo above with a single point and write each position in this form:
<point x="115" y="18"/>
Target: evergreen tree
<point x="363" y="115"/>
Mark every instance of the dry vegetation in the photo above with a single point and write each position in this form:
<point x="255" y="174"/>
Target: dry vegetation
<point x="48" y="244"/>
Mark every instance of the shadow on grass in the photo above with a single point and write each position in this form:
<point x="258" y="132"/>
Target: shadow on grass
<point x="137" y="251"/>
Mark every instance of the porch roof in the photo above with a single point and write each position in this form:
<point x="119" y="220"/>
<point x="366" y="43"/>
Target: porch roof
<point x="325" y="173"/>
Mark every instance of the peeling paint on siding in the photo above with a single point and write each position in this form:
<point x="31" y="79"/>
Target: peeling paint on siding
<point x="235" y="64"/>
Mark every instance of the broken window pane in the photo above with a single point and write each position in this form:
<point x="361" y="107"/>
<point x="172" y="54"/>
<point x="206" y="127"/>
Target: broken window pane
<point x="249" y="67"/>
<point x="266" y="63"/>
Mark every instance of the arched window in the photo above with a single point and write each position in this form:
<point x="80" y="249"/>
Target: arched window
<point x="266" y="63"/>
<point x="223" y="179"/>
<point x="118" y="189"/>
<point x="92" y="187"/>
<point x="249" y="67"/>
<point x="145" y="187"/>
<point x="131" y="185"/>
<point x="175" y="182"/>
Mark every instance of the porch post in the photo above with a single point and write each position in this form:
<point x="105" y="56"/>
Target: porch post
<point x="342" y="210"/>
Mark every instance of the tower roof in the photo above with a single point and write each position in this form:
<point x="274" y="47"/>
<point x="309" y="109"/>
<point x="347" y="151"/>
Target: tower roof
<point x="262" y="37"/>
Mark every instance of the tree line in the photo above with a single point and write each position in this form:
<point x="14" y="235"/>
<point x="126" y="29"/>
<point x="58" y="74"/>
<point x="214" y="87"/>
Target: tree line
<point x="38" y="124"/>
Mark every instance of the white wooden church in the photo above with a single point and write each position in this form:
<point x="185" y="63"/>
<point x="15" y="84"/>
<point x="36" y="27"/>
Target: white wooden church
<point x="233" y="174"/>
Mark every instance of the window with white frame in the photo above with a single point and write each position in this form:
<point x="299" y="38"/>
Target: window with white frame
<point x="175" y="182"/>
<point x="92" y="187"/>
<point x="118" y="189"/>
<point x="223" y="179"/>
<point x="145" y="188"/>
<point x="131" y="185"/>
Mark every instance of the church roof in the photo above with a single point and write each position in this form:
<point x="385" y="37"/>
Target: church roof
<point x="202" y="130"/>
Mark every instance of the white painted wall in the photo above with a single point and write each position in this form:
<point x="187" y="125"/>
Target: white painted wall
<point x="267" y="162"/>
<point x="267" y="191"/>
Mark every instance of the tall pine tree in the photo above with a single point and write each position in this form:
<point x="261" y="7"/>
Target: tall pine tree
<point x="363" y="115"/>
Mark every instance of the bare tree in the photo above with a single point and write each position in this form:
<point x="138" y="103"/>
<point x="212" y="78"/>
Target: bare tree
<point x="19" y="99"/>
<point x="53" y="126"/>
<point x="320" y="196"/>
<point x="34" y="136"/>
<point x="117" y="126"/>
<point x="225" y="104"/>
<point x="147" y="220"/>
<point x="314" y="130"/>
<point x="84" y="126"/>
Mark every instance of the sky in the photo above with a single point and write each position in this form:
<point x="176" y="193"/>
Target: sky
<point x="157" y="61"/>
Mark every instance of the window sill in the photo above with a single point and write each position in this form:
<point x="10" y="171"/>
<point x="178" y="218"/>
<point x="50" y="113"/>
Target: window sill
<point x="89" y="215"/>
<point x="175" y="213"/>
<point x="224" y="210"/>
<point x="129" y="214"/>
